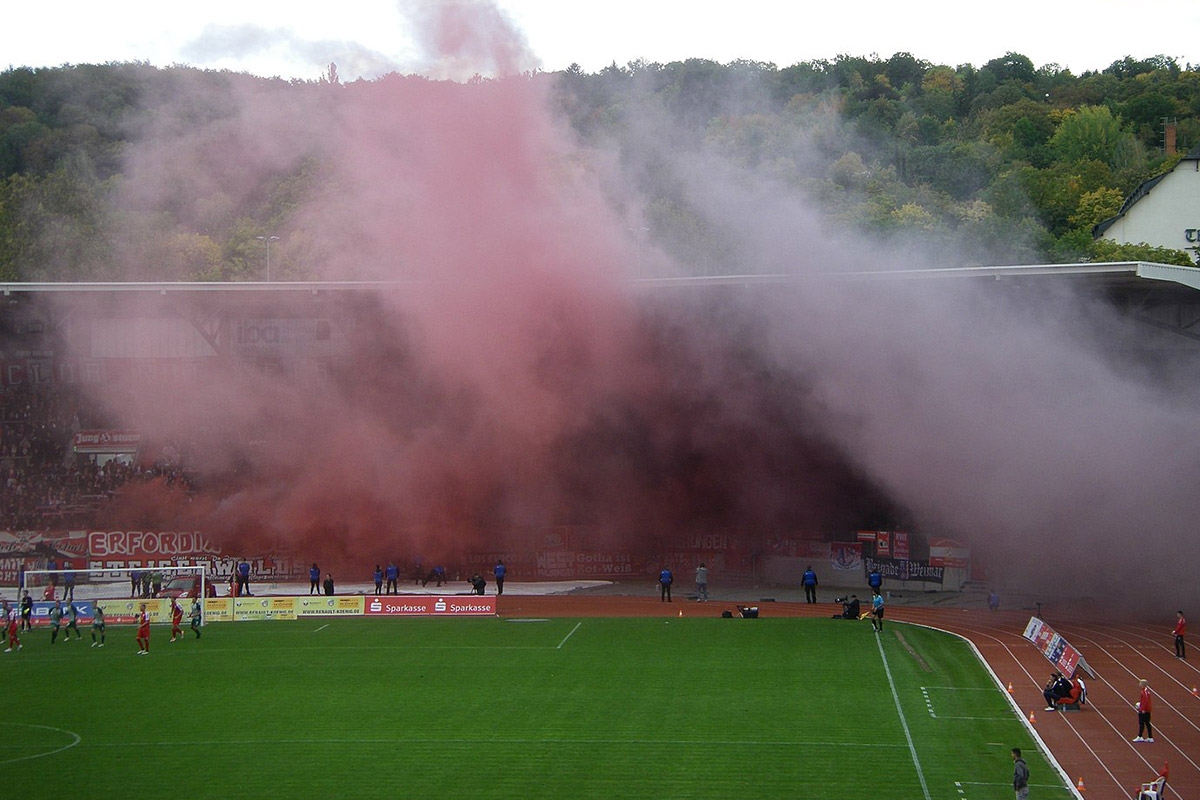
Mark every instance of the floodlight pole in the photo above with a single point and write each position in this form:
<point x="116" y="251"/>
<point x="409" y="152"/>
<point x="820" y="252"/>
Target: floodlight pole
<point x="268" y="240"/>
<point x="638" y="233"/>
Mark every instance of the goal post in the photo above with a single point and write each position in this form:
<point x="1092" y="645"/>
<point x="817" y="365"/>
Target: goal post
<point x="125" y="585"/>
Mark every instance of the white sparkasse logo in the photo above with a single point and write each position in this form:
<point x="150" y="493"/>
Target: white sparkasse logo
<point x="440" y="605"/>
<point x="376" y="605"/>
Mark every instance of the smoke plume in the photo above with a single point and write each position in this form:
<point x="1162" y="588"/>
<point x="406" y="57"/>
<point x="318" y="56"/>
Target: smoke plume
<point x="514" y="377"/>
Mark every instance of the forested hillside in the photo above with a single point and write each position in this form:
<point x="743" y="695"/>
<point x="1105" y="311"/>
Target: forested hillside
<point x="1005" y="163"/>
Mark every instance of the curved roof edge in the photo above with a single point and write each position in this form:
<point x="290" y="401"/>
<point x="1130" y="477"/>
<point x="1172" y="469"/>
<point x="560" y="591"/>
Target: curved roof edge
<point x="1104" y="270"/>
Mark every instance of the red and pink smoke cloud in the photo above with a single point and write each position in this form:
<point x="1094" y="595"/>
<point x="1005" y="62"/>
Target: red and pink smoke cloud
<point x="511" y="379"/>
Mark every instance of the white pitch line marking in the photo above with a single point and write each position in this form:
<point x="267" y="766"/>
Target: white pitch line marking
<point x="72" y="734"/>
<point x="568" y="636"/>
<point x="903" y="720"/>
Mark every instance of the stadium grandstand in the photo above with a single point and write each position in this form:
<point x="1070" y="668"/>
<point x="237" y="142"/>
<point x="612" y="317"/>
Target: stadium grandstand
<point x="67" y="454"/>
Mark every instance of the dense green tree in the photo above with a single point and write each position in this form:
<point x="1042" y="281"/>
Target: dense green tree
<point x="1003" y="163"/>
<point x="1090" y="133"/>
<point x="1010" y="67"/>
<point x="1105" y="250"/>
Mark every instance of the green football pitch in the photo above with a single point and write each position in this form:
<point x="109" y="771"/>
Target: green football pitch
<point x="561" y="708"/>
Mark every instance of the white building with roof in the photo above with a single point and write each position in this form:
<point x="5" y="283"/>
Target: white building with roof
<point x="1163" y="211"/>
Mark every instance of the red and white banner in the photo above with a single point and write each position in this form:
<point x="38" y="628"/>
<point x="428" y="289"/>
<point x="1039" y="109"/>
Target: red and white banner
<point x="107" y="441"/>
<point x="813" y="547"/>
<point x="432" y="606"/>
<point x="949" y="553"/>
<point x="900" y="545"/>
<point x="26" y="550"/>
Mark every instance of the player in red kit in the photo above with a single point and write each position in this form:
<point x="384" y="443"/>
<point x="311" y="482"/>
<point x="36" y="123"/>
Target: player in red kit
<point x="1180" y="630"/>
<point x="14" y="633"/>
<point x="143" y="632"/>
<point x="1143" y="713"/>
<point x="176" y="619"/>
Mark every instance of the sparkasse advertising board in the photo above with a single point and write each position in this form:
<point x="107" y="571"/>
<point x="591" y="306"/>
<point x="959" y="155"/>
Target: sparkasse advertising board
<point x="414" y="606"/>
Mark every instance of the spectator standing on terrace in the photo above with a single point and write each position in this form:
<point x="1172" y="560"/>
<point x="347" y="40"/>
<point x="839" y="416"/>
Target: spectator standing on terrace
<point x="314" y="579"/>
<point x="1179" y="631"/>
<point x="68" y="582"/>
<point x="875" y="581"/>
<point x="438" y="574"/>
<point x="97" y="626"/>
<point x="1020" y="775"/>
<point x="156" y="583"/>
<point x="499" y="571"/>
<point x="701" y="582"/>
<point x="51" y="564"/>
<point x="135" y="581"/>
<point x="665" y="579"/>
<point x="1143" y="713"/>
<point x="243" y="578"/>
<point x="143" y="631"/>
<point x="378" y="579"/>
<point x="393" y="578"/>
<point x="329" y="584"/>
<point x="810" y="585"/>
<point x="26" y="611"/>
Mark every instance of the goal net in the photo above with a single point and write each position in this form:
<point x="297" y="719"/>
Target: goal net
<point x="120" y="592"/>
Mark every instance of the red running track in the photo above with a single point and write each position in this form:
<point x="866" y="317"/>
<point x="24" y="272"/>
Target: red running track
<point x="1095" y="744"/>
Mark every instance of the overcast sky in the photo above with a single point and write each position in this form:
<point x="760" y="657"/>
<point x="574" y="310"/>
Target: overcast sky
<point x="367" y="38"/>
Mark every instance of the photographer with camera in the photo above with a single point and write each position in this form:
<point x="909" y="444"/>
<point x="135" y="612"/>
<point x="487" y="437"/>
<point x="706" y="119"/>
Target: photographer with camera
<point x="851" y="608"/>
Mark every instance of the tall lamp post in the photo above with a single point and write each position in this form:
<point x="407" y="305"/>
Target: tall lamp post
<point x="638" y="233"/>
<point x="268" y="240"/>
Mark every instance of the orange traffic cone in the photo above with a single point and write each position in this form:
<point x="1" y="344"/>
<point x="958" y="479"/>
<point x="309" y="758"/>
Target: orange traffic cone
<point x="1031" y="719"/>
<point x="1079" y="787"/>
<point x="1010" y="687"/>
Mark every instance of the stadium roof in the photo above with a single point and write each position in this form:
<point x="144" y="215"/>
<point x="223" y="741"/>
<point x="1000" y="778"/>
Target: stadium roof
<point x="1111" y="275"/>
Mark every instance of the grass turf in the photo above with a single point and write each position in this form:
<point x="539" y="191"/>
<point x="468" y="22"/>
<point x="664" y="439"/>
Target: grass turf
<point x="562" y="708"/>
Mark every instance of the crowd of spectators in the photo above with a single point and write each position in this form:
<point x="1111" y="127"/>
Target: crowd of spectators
<point x="46" y="484"/>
